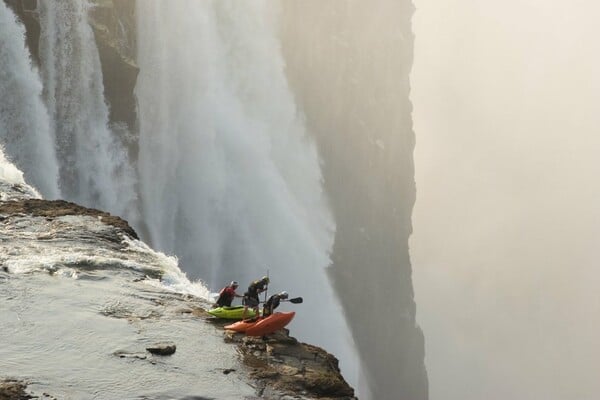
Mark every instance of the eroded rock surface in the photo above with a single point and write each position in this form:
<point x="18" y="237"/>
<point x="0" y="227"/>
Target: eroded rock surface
<point x="13" y="390"/>
<point x="59" y="208"/>
<point x="283" y="368"/>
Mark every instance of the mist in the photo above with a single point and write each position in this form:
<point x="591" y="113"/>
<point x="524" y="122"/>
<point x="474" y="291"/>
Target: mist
<point x="506" y="230"/>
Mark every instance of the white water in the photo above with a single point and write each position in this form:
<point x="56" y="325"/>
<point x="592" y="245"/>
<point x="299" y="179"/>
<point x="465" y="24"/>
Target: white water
<point x="94" y="166"/>
<point x="229" y="178"/>
<point x="11" y="176"/>
<point x="24" y="122"/>
<point x="78" y="312"/>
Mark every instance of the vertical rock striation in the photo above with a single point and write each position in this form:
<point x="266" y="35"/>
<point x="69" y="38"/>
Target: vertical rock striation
<point x="349" y="64"/>
<point x="114" y="26"/>
<point x="26" y="11"/>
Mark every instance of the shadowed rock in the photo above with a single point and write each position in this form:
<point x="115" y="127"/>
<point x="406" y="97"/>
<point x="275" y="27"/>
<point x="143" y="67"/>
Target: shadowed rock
<point x="162" y="349"/>
<point x="282" y="366"/>
<point x="13" y="390"/>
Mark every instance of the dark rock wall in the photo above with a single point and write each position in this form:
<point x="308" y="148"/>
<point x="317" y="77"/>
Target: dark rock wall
<point x="114" y="25"/>
<point x="25" y="10"/>
<point x="349" y="63"/>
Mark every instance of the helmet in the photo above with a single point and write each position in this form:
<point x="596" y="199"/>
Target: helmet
<point x="234" y="284"/>
<point x="265" y="279"/>
<point x="283" y="295"/>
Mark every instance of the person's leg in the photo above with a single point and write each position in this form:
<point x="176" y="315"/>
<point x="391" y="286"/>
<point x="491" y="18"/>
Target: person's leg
<point x="252" y="303"/>
<point x="245" y="303"/>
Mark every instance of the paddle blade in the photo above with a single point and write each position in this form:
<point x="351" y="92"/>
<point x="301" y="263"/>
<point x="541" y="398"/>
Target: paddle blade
<point x="296" y="300"/>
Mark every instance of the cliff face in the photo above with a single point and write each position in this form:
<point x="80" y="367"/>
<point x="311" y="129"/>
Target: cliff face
<point x="26" y="11"/>
<point x="114" y="25"/>
<point x="349" y="65"/>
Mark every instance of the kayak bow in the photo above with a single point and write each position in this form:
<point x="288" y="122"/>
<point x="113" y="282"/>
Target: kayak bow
<point x="235" y="312"/>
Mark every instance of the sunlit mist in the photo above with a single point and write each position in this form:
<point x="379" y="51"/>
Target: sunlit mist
<point x="506" y="229"/>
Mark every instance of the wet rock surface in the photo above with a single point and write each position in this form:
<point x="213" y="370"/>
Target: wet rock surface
<point x="13" y="390"/>
<point x="283" y="368"/>
<point x="59" y="208"/>
<point x="162" y="349"/>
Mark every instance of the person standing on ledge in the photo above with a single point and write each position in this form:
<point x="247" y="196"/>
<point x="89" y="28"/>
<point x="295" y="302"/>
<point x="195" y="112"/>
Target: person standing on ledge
<point x="226" y="295"/>
<point x="251" y="296"/>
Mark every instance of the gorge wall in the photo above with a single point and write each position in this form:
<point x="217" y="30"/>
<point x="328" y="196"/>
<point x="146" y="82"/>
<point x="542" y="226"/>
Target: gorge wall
<point x="349" y="64"/>
<point x="113" y="23"/>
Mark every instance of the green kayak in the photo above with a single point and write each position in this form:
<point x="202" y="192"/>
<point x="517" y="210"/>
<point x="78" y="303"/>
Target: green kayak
<point x="234" y="312"/>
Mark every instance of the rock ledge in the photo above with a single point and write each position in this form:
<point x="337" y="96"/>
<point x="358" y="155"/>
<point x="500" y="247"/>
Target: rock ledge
<point x="59" y="208"/>
<point x="283" y="368"/>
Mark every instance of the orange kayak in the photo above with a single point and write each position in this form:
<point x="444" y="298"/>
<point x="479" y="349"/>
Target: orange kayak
<point x="270" y="324"/>
<point x="241" y="326"/>
<point x="263" y="326"/>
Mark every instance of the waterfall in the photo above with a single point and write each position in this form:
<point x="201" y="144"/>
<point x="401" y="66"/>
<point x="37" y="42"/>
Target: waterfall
<point x="25" y="128"/>
<point x="230" y="180"/>
<point x="227" y="176"/>
<point x="93" y="163"/>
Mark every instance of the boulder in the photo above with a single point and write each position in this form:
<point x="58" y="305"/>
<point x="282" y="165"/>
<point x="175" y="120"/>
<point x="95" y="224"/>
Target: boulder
<point x="162" y="349"/>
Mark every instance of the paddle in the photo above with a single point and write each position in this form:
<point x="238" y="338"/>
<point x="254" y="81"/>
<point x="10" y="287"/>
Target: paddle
<point x="267" y="288"/>
<point x="295" y="300"/>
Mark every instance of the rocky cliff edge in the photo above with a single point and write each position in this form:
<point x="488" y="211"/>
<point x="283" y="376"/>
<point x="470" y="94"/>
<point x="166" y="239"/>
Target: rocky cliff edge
<point x="277" y="366"/>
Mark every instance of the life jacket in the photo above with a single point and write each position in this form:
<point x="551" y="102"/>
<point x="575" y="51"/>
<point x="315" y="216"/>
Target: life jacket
<point x="226" y="296"/>
<point x="271" y="304"/>
<point x="255" y="288"/>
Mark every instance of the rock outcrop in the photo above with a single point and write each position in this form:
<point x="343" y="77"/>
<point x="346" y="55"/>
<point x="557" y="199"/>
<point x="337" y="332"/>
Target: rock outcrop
<point x="282" y="366"/>
<point x="58" y="208"/>
<point x="13" y="390"/>
<point x="162" y="349"/>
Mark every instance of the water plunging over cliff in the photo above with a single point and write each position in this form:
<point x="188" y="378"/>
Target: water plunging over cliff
<point x="94" y="167"/>
<point x="229" y="179"/>
<point x="24" y="122"/>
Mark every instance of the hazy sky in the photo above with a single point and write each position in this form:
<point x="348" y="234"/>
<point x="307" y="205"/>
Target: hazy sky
<point x="506" y="239"/>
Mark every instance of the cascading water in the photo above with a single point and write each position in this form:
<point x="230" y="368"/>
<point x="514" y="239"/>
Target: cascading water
<point x="229" y="179"/>
<point x="24" y="122"/>
<point x="93" y="163"/>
